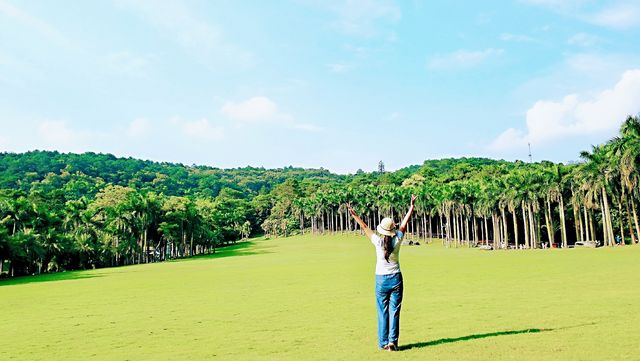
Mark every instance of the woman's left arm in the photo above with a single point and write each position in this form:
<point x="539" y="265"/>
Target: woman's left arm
<point x="405" y="220"/>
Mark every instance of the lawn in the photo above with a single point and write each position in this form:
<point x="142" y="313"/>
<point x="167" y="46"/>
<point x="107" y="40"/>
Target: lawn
<point x="307" y="298"/>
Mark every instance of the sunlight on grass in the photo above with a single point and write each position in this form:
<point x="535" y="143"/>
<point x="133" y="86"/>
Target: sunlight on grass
<point x="311" y="297"/>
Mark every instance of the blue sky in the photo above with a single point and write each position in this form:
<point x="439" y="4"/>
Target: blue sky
<point x="333" y="84"/>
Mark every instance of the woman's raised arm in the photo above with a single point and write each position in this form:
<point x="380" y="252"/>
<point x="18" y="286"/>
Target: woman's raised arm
<point x="363" y="225"/>
<point x="405" y="220"/>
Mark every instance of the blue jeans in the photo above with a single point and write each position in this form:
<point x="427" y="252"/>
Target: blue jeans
<point x="389" y="300"/>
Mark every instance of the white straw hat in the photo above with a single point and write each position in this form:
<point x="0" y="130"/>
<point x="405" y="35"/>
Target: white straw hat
<point x="387" y="227"/>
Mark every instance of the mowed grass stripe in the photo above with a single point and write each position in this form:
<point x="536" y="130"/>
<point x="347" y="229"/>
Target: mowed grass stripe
<point x="311" y="297"/>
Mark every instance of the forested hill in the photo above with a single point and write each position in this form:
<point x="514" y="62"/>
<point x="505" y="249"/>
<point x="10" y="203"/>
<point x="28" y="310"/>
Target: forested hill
<point x="73" y="211"/>
<point x="22" y="170"/>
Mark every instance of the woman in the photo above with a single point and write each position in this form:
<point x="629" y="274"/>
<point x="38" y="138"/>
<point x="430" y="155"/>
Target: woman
<point x="389" y="284"/>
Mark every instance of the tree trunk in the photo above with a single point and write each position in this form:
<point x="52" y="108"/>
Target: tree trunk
<point x="620" y="221"/>
<point x="549" y="223"/>
<point x="592" y="227"/>
<point x="505" y="233"/>
<point x="496" y="231"/>
<point x="635" y="217"/>
<point x="475" y="231"/>
<point x="630" y="225"/>
<point x="455" y="231"/>
<point x="608" y="216"/>
<point x="532" y="227"/>
<point x="588" y="229"/>
<point x="577" y="218"/>
<point x="515" y="227"/>
<point x="563" y="224"/>
<point x="525" y="222"/>
<point x="486" y="231"/>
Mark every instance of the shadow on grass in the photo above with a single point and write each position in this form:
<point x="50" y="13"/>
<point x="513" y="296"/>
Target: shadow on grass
<point x="49" y="277"/>
<point x="485" y="335"/>
<point x="244" y="248"/>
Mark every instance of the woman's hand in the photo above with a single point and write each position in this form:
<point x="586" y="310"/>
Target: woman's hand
<point x="413" y="199"/>
<point x="350" y="209"/>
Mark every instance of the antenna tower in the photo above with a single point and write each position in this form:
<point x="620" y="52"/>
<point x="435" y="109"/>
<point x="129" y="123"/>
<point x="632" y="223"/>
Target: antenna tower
<point x="530" y="157"/>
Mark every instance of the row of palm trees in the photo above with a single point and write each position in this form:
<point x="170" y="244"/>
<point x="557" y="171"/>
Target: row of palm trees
<point x="43" y="233"/>
<point x="497" y="203"/>
<point x="505" y="205"/>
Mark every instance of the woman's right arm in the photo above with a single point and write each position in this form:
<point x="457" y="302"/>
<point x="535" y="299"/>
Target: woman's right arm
<point x="365" y="228"/>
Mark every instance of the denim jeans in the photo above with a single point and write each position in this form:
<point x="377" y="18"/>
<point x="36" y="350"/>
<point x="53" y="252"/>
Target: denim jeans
<point x="389" y="300"/>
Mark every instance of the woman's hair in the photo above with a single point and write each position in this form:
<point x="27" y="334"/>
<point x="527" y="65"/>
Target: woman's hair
<point x="388" y="247"/>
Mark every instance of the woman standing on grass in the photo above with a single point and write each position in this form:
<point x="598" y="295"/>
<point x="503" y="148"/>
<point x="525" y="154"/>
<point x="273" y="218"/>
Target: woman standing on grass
<point x="389" y="284"/>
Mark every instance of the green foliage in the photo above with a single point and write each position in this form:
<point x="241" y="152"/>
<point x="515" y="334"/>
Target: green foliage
<point x="71" y="211"/>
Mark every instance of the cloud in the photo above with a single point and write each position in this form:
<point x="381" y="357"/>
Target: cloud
<point x="463" y="59"/>
<point x="60" y="135"/>
<point x="621" y="16"/>
<point x="255" y="109"/>
<point x="518" y="38"/>
<point x="198" y="37"/>
<point x="583" y="40"/>
<point x="557" y="4"/>
<point x="4" y="143"/>
<point x="202" y="130"/>
<point x="126" y="63"/>
<point x="138" y="128"/>
<point x="262" y="110"/>
<point x="571" y="116"/>
<point x="359" y="17"/>
<point x="339" y="68"/>
<point x="617" y="15"/>
<point x="33" y="22"/>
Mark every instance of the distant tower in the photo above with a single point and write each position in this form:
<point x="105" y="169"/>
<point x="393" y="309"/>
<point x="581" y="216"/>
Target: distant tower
<point x="380" y="167"/>
<point x="530" y="157"/>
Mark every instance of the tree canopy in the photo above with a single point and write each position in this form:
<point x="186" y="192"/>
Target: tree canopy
<point x="70" y="211"/>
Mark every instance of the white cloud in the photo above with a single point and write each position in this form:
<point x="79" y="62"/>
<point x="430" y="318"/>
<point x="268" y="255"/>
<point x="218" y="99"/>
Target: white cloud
<point x="58" y="132"/>
<point x="262" y="110"/>
<point x="256" y="109"/>
<point x="202" y="130"/>
<point x="617" y="15"/>
<point x="360" y="17"/>
<point x="621" y="16"/>
<point x="339" y="68"/>
<point x="583" y="39"/>
<point x="13" y="12"/>
<point x="124" y="62"/>
<point x="518" y="38"/>
<point x="509" y="139"/>
<point x="587" y="62"/>
<point x="571" y="116"/>
<point x="306" y="127"/>
<point x="198" y="37"/>
<point x="395" y="115"/>
<point x="463" y="59"/>
<point x="60" y="135"/>
<point x="557" y="4"/>
<point x="4" y="143"/>
<point x="138" y="128"/>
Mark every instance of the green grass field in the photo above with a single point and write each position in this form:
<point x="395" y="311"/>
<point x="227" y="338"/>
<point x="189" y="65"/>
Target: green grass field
<point x="306" y="298"/>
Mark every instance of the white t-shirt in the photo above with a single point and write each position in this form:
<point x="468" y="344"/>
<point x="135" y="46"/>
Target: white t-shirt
<point x="382" y="266"/>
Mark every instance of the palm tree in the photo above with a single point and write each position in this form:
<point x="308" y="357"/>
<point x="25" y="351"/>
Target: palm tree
<point x="596" y="173"/>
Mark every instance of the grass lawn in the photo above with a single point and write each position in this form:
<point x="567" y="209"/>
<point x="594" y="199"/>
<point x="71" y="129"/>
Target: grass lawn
<point x="306" y="298"/>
